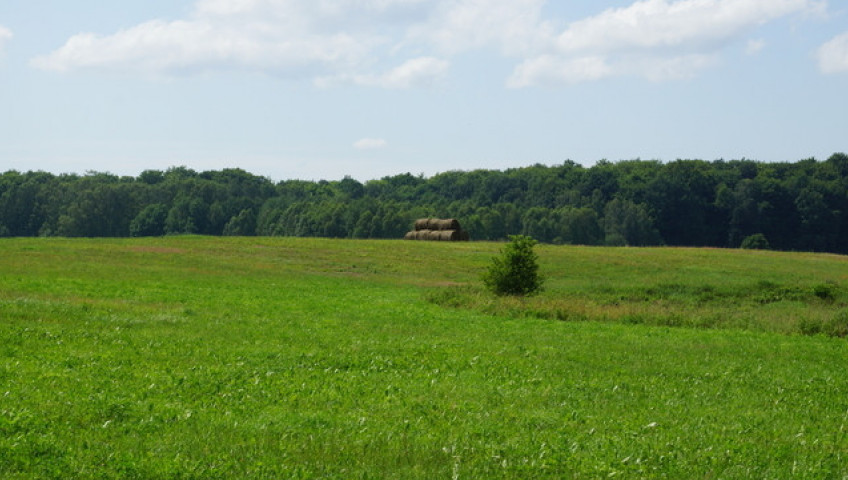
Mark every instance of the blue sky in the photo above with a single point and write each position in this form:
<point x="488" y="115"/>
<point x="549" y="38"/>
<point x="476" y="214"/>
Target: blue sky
<point x="320" y="89"/>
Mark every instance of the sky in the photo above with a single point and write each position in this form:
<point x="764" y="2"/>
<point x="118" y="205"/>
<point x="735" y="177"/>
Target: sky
<point x="323" y="89"/>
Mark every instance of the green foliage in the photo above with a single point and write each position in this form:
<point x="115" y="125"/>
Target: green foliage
<point x="243" y="224"/>
<point x="756" y="241"/>
<point x="801" y="206"/>
<point x="150" y="222"/>
<point x="516" y="270"/>
<point x="626" y="223"/>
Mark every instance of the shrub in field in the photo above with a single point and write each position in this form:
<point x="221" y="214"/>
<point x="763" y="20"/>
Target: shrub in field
<point x="836" y="326"/>
<point x="825" y="291"/>
<point x="516" y="271"/>
<point x="756" y="241"/>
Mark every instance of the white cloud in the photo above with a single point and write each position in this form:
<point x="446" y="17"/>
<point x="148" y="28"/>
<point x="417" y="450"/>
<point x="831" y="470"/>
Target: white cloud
<point x="415" y="73"/>
<point x="370" y="144"/>
<point x="5" y="36"/>
<point x="159" y="47"/>
<point x="293" y="38"/>
<point x="654" y="39"/>
<point x="550" y="70"/>
<point x="755" y="46"/>
<point x="688" y="24"/>
<point x="412" y="43"/>
<point x="833" y="55"/>
<point x="327" y="40"/>
<point x="515" y="26"/>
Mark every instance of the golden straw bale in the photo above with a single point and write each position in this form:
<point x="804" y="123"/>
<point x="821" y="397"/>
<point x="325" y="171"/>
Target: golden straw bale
<point x="448" y="235"/>
<point x="447" y="224"/>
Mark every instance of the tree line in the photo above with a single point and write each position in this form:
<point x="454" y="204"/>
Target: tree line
<point x="799" y="205"/>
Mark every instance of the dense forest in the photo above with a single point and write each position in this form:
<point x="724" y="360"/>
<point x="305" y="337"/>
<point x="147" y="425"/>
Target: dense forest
<point x="792" y="206"/>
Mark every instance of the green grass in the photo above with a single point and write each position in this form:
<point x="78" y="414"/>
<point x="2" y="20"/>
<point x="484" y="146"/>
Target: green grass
<point x="778" y="292"/>
<point x="194" y="357"/>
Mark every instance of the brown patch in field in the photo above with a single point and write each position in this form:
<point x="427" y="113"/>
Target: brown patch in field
<point x="445" y="284"/>
<point x="153" y="249"/>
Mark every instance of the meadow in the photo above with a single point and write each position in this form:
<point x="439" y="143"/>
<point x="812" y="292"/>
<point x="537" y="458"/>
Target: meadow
<point x="201" y="357"/>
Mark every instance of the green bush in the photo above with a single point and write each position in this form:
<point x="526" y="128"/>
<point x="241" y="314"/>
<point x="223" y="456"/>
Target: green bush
<point x="516" y="271"/>
<point x="825" y="291"/>
<point x="756" y="241"/>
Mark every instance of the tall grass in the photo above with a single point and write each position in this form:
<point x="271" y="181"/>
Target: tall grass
<point x="779" y="292"/>
<point x="198" y="357"/>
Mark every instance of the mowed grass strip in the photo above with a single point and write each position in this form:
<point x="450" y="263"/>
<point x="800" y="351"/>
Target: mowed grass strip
<point x="195" y="357"/>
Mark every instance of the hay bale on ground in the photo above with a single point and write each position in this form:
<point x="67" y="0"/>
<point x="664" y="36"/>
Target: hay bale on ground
<point x="437" y="229"/>
<point x="437" y="224"/>
<point x="448" y="235"/>
<point x="446" y="224"/>
<point x="422" y="224"/>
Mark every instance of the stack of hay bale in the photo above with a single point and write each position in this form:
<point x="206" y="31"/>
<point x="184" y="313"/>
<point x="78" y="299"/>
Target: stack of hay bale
<point x="437" y="229"/>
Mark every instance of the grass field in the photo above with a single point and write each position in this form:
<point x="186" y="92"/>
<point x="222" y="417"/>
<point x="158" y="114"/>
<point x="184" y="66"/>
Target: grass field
<point x="198" y="358"/>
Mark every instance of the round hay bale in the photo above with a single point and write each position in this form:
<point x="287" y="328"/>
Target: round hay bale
<point x="433" y="235"/>
<point x="422" y="235"/>
<point x="448" y="224"/>
<point x="409" y="235"/>
<point x="448" y="235"/>
<point x="422" y="224"/>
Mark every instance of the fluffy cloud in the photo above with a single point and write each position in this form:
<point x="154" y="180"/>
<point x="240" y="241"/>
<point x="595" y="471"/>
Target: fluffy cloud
<point x="411" y="43"/>
<point x="415" y="73"/>
<point x="177" y="47"/>
<point x="327" y="40"/>
<point x="513" y="26"/>
<point x="833" y="55"/>
<point x="550" y="70"/>
<point x="686" y="24"/>
<point x="655" y="39"/>
<point x="370" y="144"/>
<point x="292" y="38"/>
<point x="5" y="36"/>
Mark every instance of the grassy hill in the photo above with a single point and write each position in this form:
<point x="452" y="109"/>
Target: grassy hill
<point x="196" y="357"/>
